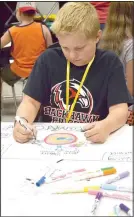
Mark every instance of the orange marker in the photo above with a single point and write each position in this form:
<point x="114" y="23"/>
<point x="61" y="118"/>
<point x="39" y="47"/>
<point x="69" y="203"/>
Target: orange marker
<point x="96" y="174"/>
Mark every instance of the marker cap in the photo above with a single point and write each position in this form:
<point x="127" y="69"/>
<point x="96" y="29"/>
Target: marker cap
<point x="124" y="174"/>
<point x="41" y="181"/>
<point x="108" y="187"/>
<point x="110" y="171"/>
<point x="124" y="208"/>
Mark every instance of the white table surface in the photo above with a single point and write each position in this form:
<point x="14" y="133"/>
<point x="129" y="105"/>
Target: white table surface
<point x="21" y="198"/>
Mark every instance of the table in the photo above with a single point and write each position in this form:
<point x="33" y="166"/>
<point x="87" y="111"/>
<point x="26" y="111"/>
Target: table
<point x="21" y="161"/>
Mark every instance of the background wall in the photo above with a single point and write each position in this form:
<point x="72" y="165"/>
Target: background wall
<point x="45" y="7"/>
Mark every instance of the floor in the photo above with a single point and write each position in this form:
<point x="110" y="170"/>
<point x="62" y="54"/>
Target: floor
<point x="8" y="110"/>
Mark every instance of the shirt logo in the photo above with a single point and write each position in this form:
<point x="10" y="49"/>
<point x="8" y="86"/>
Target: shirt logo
<point x="58" y="96"/>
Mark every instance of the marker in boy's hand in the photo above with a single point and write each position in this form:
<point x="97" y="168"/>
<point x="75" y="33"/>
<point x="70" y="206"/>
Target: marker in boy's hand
<point x="24" y="131"/>
<point x="96" y="132"/>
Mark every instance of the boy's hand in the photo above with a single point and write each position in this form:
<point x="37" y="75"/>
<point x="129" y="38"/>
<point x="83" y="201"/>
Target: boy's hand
<point x="21" y="134"/>
<point x="96" y="132"/>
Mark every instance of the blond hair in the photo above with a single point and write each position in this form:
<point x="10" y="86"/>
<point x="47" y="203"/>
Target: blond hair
<point x="118" y="26"/>
<point x="77" y="17"/>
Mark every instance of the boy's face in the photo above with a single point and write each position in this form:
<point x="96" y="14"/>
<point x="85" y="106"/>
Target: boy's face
<point x="77" y="48"/>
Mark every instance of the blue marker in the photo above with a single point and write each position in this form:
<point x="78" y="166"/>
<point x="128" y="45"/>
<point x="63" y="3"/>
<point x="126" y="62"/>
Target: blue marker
<point x="116" y="188"/>
<point x="42" y="180"/>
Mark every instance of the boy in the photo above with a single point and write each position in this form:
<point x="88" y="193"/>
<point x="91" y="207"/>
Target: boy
<point x="76" y="82"/>
<point x="28" y="40"/>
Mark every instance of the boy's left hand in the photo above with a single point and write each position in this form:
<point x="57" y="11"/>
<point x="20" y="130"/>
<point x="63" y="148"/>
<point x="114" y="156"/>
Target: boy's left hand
<point x="96" y="132"/>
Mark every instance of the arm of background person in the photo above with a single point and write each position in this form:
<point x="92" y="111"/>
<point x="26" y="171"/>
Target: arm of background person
<point x="28" y="109"/>
<point x="129" y="62"/>
<point x="5" y="39"/>
<point x="47" y="35"/>
<point x="130" y="76"/>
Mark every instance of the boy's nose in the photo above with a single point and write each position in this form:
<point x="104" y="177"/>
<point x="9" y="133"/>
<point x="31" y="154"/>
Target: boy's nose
<point x="73" y="56"/>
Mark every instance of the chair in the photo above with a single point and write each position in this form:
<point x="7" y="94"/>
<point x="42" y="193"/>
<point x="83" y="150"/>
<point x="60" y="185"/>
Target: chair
<point x="23" y="81"/>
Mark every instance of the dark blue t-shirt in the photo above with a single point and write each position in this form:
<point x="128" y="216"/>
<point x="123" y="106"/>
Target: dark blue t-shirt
<point x="104" y="86"/>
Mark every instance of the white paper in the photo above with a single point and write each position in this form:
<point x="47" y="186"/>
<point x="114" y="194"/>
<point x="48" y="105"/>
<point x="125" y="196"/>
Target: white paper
<point x="20" y="197"/>
<point x="118" y="147"/>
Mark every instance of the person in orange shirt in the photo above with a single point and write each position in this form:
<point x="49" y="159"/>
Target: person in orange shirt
<point x="28" y="40"/>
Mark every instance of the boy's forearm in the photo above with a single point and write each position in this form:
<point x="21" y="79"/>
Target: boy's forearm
<point x="28" y="111"/>
<point x="116" y="119"/>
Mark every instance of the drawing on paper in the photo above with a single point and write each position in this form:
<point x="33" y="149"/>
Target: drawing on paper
<point x="60" y="139"/>
<point x="117" y="156"/>
<point x="4" y="148"/>
<point x="58" y="127"/>
<point x="52" y="140"/>
<point x="59" y="151"/>
<point x="6" y="135"/>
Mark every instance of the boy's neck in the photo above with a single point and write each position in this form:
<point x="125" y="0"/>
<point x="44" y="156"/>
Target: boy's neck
<point x="26" y="21"/>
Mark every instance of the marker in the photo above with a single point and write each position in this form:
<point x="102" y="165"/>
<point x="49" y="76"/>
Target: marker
<point x="106" y="168"/>
<point x="126" y="209"/>
<point x="69" y="174"/>
<point x="101" y="169"/>
<point x="96" y="203"/>
<point x="120" y="176"/>
<point x="119" y="195"/>
<point x="116" y="188"/>
<point x="116" y="211"/>
<point x="23" y="124"/>
<point x="78" y="190"/>
<point x="96" y="174"/>
<point x="42" y="180"/>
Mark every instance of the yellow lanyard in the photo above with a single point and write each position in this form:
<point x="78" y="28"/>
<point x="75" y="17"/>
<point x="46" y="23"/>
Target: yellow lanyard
<point x="77" y="94"/>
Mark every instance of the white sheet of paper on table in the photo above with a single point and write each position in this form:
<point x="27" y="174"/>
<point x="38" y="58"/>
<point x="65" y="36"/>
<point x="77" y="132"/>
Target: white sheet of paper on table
<point x="23" y="198"/>
<point x="40" y="150"/>
<point x="19" y="161"/>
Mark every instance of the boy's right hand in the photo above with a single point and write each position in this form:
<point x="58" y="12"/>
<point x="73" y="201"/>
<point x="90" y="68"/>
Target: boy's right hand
<point x="21" y="134"/>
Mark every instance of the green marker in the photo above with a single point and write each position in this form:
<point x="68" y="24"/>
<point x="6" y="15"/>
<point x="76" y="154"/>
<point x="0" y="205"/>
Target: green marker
<point x="102" y="169"/>
<point x="106" y="168"/>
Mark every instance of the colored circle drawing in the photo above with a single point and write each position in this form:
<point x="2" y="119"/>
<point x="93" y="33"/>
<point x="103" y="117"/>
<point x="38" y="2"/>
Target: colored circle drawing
<point x="60" y="139"/>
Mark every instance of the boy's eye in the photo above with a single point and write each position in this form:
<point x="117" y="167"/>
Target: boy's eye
<point x="79" y="48"/>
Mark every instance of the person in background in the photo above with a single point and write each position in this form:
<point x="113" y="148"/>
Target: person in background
<point x="76" y="82"/>
<point x="102" y="10"/>
<point x="118" y="36"/>
<point x="28" y="40"/>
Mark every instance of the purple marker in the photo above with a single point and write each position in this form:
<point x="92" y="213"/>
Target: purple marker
<point x="120" y="176"/>
<point x="96" y="203"/>
<point x="126" y="209"/>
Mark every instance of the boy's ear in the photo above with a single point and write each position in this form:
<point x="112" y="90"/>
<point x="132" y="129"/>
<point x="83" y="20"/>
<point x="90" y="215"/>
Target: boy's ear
<point x="18" y="11"/>
<point x="99" y="34"/>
